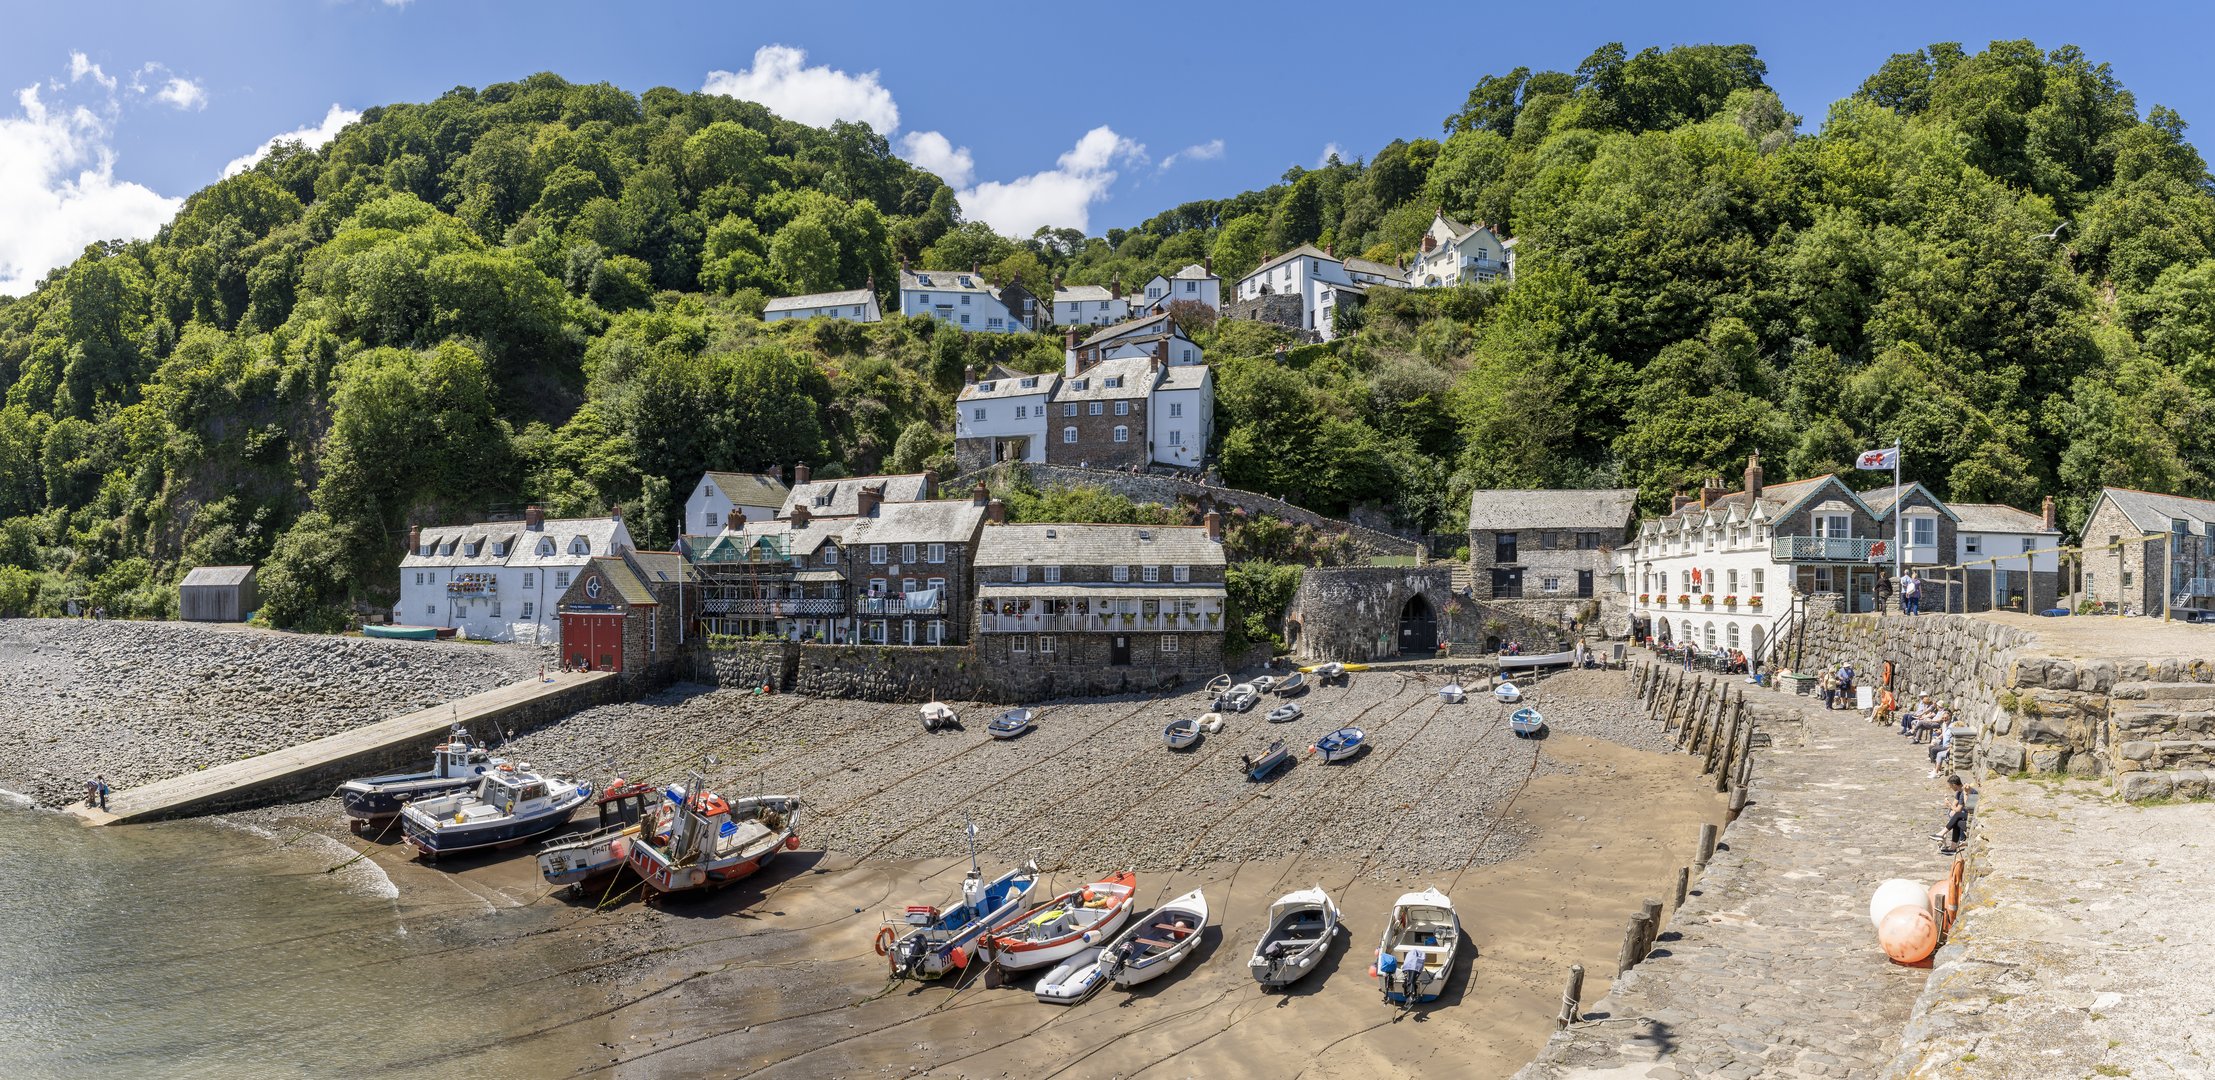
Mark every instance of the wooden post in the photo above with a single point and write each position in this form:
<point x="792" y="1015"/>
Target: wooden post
<point x="1691" y="711"/>
<point x="1737" y="801"/>
<point x="1571" y="995"/>
<point x="1707" y="845"/>
<point x="1721" y="762"/>
<point x="1676" y="693"/>
<point x="1746" y="756"/>
<point x="1651" y="916"/>
<point x="1684" y="886"/>
<point x="1633" y="936"/>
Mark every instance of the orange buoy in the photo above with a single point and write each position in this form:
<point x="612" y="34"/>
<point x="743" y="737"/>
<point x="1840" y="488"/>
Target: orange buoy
<point x="959" y="957"/>
<point x="792" y="842"/>
<point x="1908" y="934"/>
<point x="885" y="938"/>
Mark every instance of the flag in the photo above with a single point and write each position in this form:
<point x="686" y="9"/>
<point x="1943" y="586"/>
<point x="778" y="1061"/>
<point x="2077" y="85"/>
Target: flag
<point x="1887" y="458"/>
<point x="1876" y="552"/>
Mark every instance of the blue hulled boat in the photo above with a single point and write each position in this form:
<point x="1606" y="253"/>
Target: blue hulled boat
<point x="511" y="804"/>
<point x="938" y="941"/>
<point x="456" y="764"/>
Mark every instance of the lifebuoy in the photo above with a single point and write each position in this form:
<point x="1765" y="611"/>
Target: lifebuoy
<point x="507" y="767"/>
<point x="885" y="939"/>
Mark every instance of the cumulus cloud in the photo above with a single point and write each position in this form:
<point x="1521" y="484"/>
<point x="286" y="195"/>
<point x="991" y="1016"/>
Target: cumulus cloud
<point x="58" y="190"/>
<point x="1207" y="151"/>
<point x="313" y="135"/>
<point x="781" y="80"/>
<point x="1330" y="150"/>
<point x="933" y="152"/>
<point x="1058" y="197"/>
<point x="182" y="94"/>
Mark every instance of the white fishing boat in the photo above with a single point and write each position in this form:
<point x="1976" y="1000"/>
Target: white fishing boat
<point x="1302" y="925"/>
<point x="1286" y="713"/>
<point x="456" y="765"/>
<point x="1011" y="723"/>
<point x="1065" y="925"/>
<point x="1073" y="979"/>
<point x="1156" y="943"/>
<point x="1417" y="953"/>
<point x="1564" y="658"/>
<point x="510" y="804"/>
<point x="1526" y="722"/>
<point x="1341" y="745"/>
<point x="1507" y="693"/>
<point x="1180" y="734"/>
<point x="1452" y="693"/>
<point x="577" y="861"/>
<point x="938" y="940"/>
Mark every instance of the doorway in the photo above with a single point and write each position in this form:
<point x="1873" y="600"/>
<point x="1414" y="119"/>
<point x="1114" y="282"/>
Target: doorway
<point x="1418" y="627"/>
<point x="1119" y="651"/>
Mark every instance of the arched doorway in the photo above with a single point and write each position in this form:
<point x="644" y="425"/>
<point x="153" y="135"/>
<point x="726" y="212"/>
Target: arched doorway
<point x="1758" y="638"/>
<point x="1418" y="627"/>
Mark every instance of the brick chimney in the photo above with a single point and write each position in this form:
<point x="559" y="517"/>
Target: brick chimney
<point x="996" y="512"/>
<point x="968" y="374"/>
<point x="1711" y="491"/>
<point x="1679" y="500"/>
<point x="1207" y="264"/>
<point x="1753" y="475"/>
<point x="800" y="474"/>
<point x="867" y="500"/>
<point x="930" y="484"/>
<point x="1330" y="250"/>
<point x="534" y="518"/>
<point x="735" y="520"/>
<point x="1115" y="287"/>
<point x="1069" y="353"/>
<point x="980" y="495"/>
<point x="799" y="514"/>
<point x="616" y="514"/>
<point x="2045" y="510"/>
<point x="415" y="532"/>
<point x="1214" y="523"/>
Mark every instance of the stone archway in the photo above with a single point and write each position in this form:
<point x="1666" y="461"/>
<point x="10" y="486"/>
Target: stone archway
<point x="1418" y="626"/>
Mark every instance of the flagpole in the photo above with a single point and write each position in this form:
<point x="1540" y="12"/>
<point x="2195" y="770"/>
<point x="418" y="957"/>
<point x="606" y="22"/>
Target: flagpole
<point x="1899" y="550"/>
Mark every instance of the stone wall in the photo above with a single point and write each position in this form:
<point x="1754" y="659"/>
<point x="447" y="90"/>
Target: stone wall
<point x="924" y="673"/>
<point x="1279" y="309"/>
<point x="1352" y="613"/>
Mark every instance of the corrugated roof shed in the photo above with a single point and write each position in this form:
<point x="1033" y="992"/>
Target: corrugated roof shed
<point x="217" y="575"/>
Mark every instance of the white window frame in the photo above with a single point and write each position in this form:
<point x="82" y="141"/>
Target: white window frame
<point x="935" y="553"/>
<point x="907" y="553"/>
<point x="1068" y="434"/>
<point x="1176" y="409"/>
<point x="1019" y="573"/>
<point x="1019" y="645"/>
<point x="1180" y="573"/>
<point x="1052" y="575"/>
<point x="1069" y="409"/>
<point x="1120" y="572"/>
<point x="1149" y="573"/>
<point x="1122" y="408"/>
<point x="530" y="610"/>
<point x="877" y="555"/>
<point x="1168" y="644"/>
<point x="977" y="414"/>
<point x="1094" y="410"/>
<point x="1045" y="644"/>
<point x="1122" y="433"/>
<point x="561" y="579"/>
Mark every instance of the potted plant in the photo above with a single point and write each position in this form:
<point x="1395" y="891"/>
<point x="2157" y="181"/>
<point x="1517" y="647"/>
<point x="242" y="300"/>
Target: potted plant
<point x="1754" y="601"/>
<point x="1731" y="600"/>
<point x="1707" y="599"/>
<point x="1642" y="597"/>
<point x="1685" y="599"/>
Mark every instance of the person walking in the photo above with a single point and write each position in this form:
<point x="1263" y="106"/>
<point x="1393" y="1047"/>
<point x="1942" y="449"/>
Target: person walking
<point x="1911" y="594"/>
<point x="96" y="793"/>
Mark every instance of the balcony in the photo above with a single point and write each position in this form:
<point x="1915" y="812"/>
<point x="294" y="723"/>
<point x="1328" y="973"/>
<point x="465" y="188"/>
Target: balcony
<point x="1829" y="548"/>
<point x="895" y="605"/>
<point x="785" y="608"/>
<point x="1096" y="623"/>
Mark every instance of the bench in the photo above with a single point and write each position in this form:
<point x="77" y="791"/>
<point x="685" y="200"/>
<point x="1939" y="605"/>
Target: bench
<point x="1155" y="943"/>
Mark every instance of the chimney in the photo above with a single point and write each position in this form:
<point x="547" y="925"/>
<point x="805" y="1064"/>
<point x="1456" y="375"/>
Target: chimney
<point x="534" y="518"/>
<point x="1214" y="523"/>
<point x="1207" y="264"/>
<point x="735" y="520"/>
<point x="1069" y="354"/>
<point x="903" y="264"/>
<point x="1430" y="243"/>
<point x="1115" y="287"/>
<point x="980" y="495"/>
<point x="977" y="269"/>
<point x="968" y="374"/>
<point x="616" y="514"/>
<point x="1753" y="475"/>
<point x="1678" y="501"/>
<point x="2045" y="510"/>
<point x="871" y="284"/>
<point x="799" y="514"/>
<point x="1711" y="491"/>
<point x="996" y="512"/>
<point x="867" y="500"/>
<point x="415" y="532"/>
<point x="800" y="474"/>
<point x="930" y="484"/>
<point x="1330" y="250"/>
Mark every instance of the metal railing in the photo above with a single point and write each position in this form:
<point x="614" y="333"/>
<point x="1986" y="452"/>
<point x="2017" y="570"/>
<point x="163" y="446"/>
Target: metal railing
<point x="896" y="605"/>
<point x="763" y="606"/>
<point x="1828" y="548"/>
<point x="1098" y="623"/>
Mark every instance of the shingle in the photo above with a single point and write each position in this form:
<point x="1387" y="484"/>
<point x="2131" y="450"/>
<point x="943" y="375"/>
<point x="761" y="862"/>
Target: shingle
<point x="2152" y="512"/>
<point x="1136" y="373"/>
<point x="1096" y="545"/>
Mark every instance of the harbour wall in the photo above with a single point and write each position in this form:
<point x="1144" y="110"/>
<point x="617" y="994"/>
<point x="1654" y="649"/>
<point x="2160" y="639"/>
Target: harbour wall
<point x="933" y="672"/>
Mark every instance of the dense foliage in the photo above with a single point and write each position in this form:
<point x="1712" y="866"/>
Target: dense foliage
<point x="542" y="292"/>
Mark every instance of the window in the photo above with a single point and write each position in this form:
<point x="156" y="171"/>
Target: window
<point x="419" y="577"/>
<point x="1022" y="411"/>
<point x="937" y="631"/>
<point x="546" y="546"/>
<point x="1122" y="408"/>
<point x="495" y="607"/>
<point x="2030" y="544"/>
<point x="1019" y="574"/>
<point x="1192" y="286"/>
<point x="1732" y="578"/>
<point x="877" y="554"/>
<point x="1176" y="409"/>
<point x="1112" y="382"/>
<point x="830" y="555"/>
<point x="1120" y="573"/>
<point x="977" y="413"/>
<point x="1069" y="434"/>
<point x="1045" y="645"/>
<point x="1153" y="292"/>
<point x="992" y="323"/>
<point x="965" y="315"/>
<point x="1103" y="305"/>
<point x="1733" y="635"/>
<point x="1094" y="410"/>
<point x="1069" y="409"/>
<point x="1503" y="547"/>
<point x="1078" y="384"/>
<point x="1053" y="574"/>
<point x="1588" y="541"/>
<point x="1922" y="531"/>
<point x="1553" y="584"/>
<point x="936" y="583"/>
<point x="857" y="311"/>
<point x="1758" y="575"/>
<point x="965" y="300"/>
<point x="1149" y="573"/>
<point x="530" y="580"/>
<point x="1019" y="645"/>
<point x="529" y="609"/>
<point x="1972" y="544"/>
<point x="430" y="609"/>
<point x="1834" y="526"/>
<point x="1176" y="436"/>
<point x="1181" y="573"/>
<point x="1030" y="383"/>
<point x="561" y="579"/>
<point x="1122" y="434"/>
<point x="2126" y="579"/>
<point x="935" y="553"/>
<point x="1168" y="645"/>
<point x="1711" y="635"/>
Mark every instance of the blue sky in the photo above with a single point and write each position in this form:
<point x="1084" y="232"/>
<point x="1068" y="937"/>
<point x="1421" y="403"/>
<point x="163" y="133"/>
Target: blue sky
<point x="1036" y="113"/>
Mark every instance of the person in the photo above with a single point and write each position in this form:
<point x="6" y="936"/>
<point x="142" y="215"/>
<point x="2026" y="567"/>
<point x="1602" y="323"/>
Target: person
<point x="1956" y="805"/>
<point x="1933" y="722"/>
<point x="1846" y="685"/>
<point x="1411" y="972"/>
<point x="1911" y="594"/>
<point x="1908" y="718"/>
<point x="1826" y="686"/>
<point x="100" y="791"/>
<point x="1940" y="746"/>
<point x="1885" y="706"/>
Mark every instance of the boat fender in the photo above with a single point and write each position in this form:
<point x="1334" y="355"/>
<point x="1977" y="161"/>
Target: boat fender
<point x="506" y="766"/>
<point x="885" y="938"/>
<point x="792" y="842"/>
<point x="1090" y="937"/>
<point x="959" y="957"/>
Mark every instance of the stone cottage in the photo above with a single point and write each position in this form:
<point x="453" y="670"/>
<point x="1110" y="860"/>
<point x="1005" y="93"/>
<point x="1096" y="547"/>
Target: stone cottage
<point x="1102" y="596"/>
<point x="1548" y="555"/>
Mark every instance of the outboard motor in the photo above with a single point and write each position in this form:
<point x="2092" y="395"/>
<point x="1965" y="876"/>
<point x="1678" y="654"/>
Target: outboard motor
<point x="1411" y="983"/>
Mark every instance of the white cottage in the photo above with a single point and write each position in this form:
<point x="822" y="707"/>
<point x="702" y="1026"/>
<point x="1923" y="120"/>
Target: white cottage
<point x="1090" y="305"/>
<point x="965" y="300"/>
<point x="1321" y="280"/>
<point x="851" y="305"/>
<point x="1451" y="253"/>
<point x="500" y="580"/>
<point x="1196" y="283"/>
<point x="709" y="507"/>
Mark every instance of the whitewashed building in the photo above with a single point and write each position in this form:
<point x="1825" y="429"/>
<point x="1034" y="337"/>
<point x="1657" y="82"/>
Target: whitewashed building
<point x="1196" y="283"/>
<point x="1090" y="305"/>
<point x="500" y="580"/>
<point x="2025" y="550"/>
<point x="1122" y="400"/>
<point x="708" y="509"/>
<point x="1451" y="253"/>
<point x="1156" y="336"/>
<point x="1003" y="415"/>
<point x="852" y="305"/>
<point x="967" y="301"/>
<point x="1321" y="280"/>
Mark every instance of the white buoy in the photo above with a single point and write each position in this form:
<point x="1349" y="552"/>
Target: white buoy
<point x="1894" y="893"/>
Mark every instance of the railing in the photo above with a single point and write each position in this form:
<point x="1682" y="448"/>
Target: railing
<point x="1827" y="548"/>
<point x="894" y="605"/>
<point x="761" y="606"/>
<point x="1096" y="623"/>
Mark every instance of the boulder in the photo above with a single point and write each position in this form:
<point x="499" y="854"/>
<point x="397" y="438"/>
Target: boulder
<point x="2189" y="784"/>
<point x="2140" y="786"/>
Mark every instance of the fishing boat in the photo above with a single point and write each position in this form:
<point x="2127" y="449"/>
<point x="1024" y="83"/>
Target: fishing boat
<point x="401" y="633"/>
<point x="938" y="716"/>
<point x="1302" y="924"/>
<point x="941" y="940"/>
<point x="1011" y="723"/>
<point x="1263" y="684"/>
<point x="1286" y="713"/>
<point x="1210" y="723"/>
<point x="1238" y="698"/>
<point x="1258" y="767"/>
<point x="511" y="804"/>
<point x="1065" y="925"/>
<point x="1526" y="722"/>
<point x="1452" y="693"/>
<point x="1507" y="693"/>
<point x="1156" y="943"/>
<point x="1340" y="745"/>
<point x="699" y="840"/>
<point x="577" y="861"/>
<point x="456" y="764"/>
<point x="1292" y="685"/>
<point x="1073" y="979"/>
<point x="1181" y="734"/>
<point x="1564" y="658"/>
<point x="1417" y="953"/>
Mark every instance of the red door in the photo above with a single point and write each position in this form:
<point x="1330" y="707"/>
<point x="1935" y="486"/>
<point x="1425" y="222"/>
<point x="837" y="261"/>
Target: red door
<point x="592" y="642"/>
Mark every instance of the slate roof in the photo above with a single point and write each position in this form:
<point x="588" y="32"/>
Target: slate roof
<point x="943" y="281"/>
<point x="847" y="298"/>
<point x="1103" y="590"/>
<point x="1150" y="324"/>
<point x="449" y="544"/>
<point x="1183" y="377"/>
<point x="841" y="498"/>
<point x="749" y="489"/>
<point x="1383" y="270"/>
<point x="946" y="522"/>
<point x="1304" y="251"/>
<point x="2152" y="512"/>
<point x="1009" y="386"/>
<point x="217" y="575"/>
<point x="660" y="567"/>
<point x="1096" y="545"/>
<point x="1192" y="270"/>
<point x="1996" y="518"/>
<point x="1776" y="499"/>
<point x="1137" y="373"/>
<point x="1880" y="500"/>
<point x="622" y="579"/>
<point x="1511" y="510"/>
<point x="1064" y="294"/>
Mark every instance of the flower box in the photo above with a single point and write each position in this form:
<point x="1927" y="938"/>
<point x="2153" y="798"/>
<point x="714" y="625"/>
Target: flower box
<point x="1730" y="601"/>
<point x="1708" y="600"/>
<point x="1643" y="597"/>
<point x="1756" y="601"/>
<point x="1685" y="599"/>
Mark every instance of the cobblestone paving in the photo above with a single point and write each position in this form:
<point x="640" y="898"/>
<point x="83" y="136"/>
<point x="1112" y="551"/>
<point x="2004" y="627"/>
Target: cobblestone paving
<point x="1771" y="968"/>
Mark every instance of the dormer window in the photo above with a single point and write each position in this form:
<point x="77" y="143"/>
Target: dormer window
<point x="577" y="546"/>
<point x="546" y="546"/>
<point x="1030" y="382"/>
<point x="966" y="284"/>
<point x="923" y="279"/>
<point x="1078" y="384"/>
<point x="984" y="387"/>
<point x="500" y="549"/>
<point x="1113" y="382"/>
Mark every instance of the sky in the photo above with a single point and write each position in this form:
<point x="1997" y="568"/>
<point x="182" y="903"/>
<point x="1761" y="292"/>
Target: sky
<point x="1046" y="114"/>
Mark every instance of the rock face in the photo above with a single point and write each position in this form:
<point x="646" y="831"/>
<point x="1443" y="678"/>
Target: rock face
<point x="137" y="702"/>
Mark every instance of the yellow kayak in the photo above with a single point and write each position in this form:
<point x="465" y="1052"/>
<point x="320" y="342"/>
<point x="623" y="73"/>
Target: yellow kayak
<point x="1313" y="668"/>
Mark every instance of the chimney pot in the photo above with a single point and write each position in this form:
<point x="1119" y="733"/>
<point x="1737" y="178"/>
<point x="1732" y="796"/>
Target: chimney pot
<point x="1214" y="522"/>
<point x="1207" y="264"/>
<point x="1115" y="287"/>
<point x="735" y="520"/>
<point x="415" y="532"/>
<point x="799" y="514"/>
<point x="2046" y="510"/>
<point x="1331" y="249"/>
<point x="534" y="518"/>
<point x="996" y="512"/>
<point x="980" y="495"/>
<point x="800" y="474"/>
<point x="616" y="513"/>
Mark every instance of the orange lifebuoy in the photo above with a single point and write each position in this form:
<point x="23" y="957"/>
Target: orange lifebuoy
<point x="506" y="767"/>
<point x="885" y="939"/>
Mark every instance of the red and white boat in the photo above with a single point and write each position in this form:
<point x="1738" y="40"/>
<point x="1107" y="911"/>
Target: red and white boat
<point x="699" y="840"/>
<point x="1065" y="925"/>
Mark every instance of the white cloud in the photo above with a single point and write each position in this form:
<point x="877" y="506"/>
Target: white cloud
<point x="1330" y="150"/>
<point x="1207" y="151"/>
<point x="933" y="152"/>
<point x="815" y="96"/>
<point x="314" y="136"/>
<point x="182" y="94"/>
<point x="1058" y="197"/>
<point x="80" y="66"/>
<point x="58" y="190"/>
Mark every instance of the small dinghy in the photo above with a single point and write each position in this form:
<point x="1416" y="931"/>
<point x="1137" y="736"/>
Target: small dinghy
<point x="1263" y="684"/>
<point x="510" y="805"/>
<point x="1302" y="925"/>
<point x="937" y="716"/>
<point x="1417" y="953"/>
<point x="1218" y="684"/>
<point x="1292" y="685"/>
<point x="938" y="941"/>
<point x="1259" y="766"/>
<point x="1526" y="722"/>
<point x="1011" y="723"/>
<point x="577" y="861"/>
<point x="700" y="840"/>
<point x="1181" y="734"/>
<point x="1452" y="693"/>
<point x="1156" y="943"/>
<point x="1508" y="693"/>
<point x="1210" y="723"/>
<point x="1327" y="674"/>
<point x="1073" y="979"/>
<point x="456" y="764"/>
<point x="1063" y="926"/>
<point x="1238" y="698"/>
<point x="1286" y="713"/>
<point x="1340" y="745"/>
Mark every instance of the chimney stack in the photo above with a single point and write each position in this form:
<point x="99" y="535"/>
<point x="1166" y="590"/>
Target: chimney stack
<point x="800" y="515"/>
<point x="996" y="512"/>
<point x="980" y="495"/>
<point x="735" y="521"/>
<point x="871" y="284"/>
<point x="415" y="532"/>
<point x="1207" y="264"/>
<point x="930" y="484"/>
<point x="867" y="500"/>
<point x="534" y="518"/>
<point x="1115" y="287"/>
<point x="615" y="514"/>
<point x="1678" y="501"/>
<point x="1330" y="250"/>
<point x="1753" y="475"/>
<point x="968" y="374"/>
<point x="1214" y="523"/>
<point x="800" y="474"/>
<point x="2045" y="510"/>
<point x="1069" y="354"/>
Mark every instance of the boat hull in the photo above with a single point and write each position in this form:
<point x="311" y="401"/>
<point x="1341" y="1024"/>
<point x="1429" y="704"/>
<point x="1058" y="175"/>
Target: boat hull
<point x="1073" y="979"/>
<point x="660" y="877"/>
<point x="477" y="836"/>
<point x="401" y="633"/>
<point x="1181" y="734"/>
<point x="381" y="799"/>
<point x="583" y="862"/>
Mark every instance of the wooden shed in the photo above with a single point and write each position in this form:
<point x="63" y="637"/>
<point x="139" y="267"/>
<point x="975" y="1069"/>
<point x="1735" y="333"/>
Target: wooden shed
<point x="217" y="594"/>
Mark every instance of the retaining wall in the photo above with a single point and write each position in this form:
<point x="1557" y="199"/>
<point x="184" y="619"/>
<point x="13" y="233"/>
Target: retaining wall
<point x="1352" y="613"/>
<point x="922" y="673"/>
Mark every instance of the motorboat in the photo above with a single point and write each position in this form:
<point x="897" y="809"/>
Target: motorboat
<point x="1073" y="979"/>
<point x="1155" y="944"/>
<point x="939" y="940"/>
<point x="1526" y="722"/>
<point x="1181" y="734"/>
<point x="1302" y="925"/>
<point x="1259" y="766"/>
<point x="1210" y="723"/>
<point x="511" y="804"/>
<point x="1417" y="953"/>
<point x="1011" y="723"/>
<point x="577" y="861"/>
<point x="1286" y="713"/>
<point x="1340" y="745"/>
<point x="1452" y="693"/>
<point x="1507" y="693"/>
<point x="1292" y="685"/>
<point x="1064" y="926"/>
<point x="700" y="840"/>
<point x="1238" y="698"/>
<point x="456" y="764"/>
<point x="938" y="716"/>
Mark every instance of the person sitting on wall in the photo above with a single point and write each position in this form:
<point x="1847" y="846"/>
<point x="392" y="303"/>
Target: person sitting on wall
<point x="1932" y="723"/>
<point x="1940" y="745"/>
<point x="1922" y="708"/>
<point x="1886" y="705"/>
<point x="1956" y="805"/>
